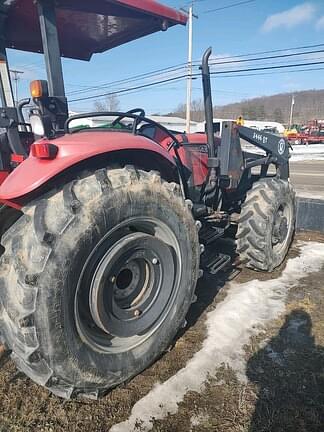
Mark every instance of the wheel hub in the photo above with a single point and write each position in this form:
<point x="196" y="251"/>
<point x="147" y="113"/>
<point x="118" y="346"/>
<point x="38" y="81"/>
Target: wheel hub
<point x="280" y="229"/>
<point x="131" y="285"/>
<point x="127" y="285"/>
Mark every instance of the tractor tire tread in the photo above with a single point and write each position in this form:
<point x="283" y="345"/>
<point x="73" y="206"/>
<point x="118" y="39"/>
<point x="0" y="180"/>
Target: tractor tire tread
<point x="252" y="239"/>
<point x="20" y="271"/>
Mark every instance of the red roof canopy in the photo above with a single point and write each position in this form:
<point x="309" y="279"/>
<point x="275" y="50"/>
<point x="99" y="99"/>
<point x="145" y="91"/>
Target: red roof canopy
<point x="86" y="27"/>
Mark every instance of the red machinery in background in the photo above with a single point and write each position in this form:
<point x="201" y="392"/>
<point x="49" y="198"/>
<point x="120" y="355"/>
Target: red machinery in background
<point x="312" y="133"/>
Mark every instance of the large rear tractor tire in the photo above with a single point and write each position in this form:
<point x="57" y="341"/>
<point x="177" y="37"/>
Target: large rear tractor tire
<point x="96" y="280"/>
<point x="267" y="224"/>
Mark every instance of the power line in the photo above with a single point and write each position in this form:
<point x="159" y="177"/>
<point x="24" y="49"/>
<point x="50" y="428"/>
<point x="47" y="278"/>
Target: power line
<point x="230" y="6"/>
<point x="180" y="67"/>
<point x="267" y="57"/>
<point x="270" y="73"/>
<point x="280" y="62"/>
<point x="129" y="89"/>
<point x="267" y="68"/>
<point x="221" y="73"/>
<point x="267" y="52"/>
<point x="135" y="77"/>
<point x="216" y="72"/>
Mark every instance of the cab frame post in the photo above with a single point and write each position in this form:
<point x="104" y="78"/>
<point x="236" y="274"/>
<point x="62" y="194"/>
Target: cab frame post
<point x="57" y="105"/>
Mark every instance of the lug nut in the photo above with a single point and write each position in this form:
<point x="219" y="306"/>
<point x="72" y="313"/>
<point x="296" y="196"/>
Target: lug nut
<point x="155" y="261"/>
<point x="113" y="279"/>
<point x="189" y="204"/>
<point x="137" y="313"/>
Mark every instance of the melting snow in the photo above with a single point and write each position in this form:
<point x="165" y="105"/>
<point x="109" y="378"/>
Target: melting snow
<point x="243" y="313"/>
<point x="298" y="153"/>
<point x="310" y="152"/>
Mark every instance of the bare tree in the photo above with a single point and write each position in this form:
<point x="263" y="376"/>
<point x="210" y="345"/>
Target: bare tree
<point x="110" y="103"/>
<point x="180" y="111"/>
<point x="197" y="110"/>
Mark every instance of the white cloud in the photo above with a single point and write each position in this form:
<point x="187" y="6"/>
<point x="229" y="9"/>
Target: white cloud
<point x="320" y="23"/>
<point x="290" y="18"/>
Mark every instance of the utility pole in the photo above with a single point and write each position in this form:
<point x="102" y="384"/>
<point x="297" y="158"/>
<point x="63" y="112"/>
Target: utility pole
<point x="16" y="77"/>
<point x="189" y="79"/>
<point x="291" y="111"/>
<point x="191" y="16"/>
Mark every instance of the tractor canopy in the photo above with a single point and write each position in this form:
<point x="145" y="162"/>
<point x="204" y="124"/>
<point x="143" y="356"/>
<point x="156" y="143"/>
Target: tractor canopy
<point x="86" y="27"/>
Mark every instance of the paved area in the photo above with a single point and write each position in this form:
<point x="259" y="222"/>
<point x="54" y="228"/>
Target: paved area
<point x="308" y="177"/>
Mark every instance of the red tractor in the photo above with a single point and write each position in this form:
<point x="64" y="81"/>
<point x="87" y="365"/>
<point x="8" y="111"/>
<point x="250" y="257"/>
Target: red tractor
<point x="105" y="231"/>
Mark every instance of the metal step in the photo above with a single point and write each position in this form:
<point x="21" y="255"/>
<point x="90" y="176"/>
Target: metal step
<point x="208" y="234"/>
<point x="216" y="262"/>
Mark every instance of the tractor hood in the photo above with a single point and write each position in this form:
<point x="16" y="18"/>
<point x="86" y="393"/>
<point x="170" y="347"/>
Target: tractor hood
<point x="86" y="27"/>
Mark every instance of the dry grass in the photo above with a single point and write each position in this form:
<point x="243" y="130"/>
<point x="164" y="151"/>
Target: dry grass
<point x="284" y="392"/>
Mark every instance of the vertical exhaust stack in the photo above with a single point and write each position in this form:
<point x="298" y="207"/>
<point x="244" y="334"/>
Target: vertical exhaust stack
<point x="208" y="103"/>
<point x="211" y="187"/>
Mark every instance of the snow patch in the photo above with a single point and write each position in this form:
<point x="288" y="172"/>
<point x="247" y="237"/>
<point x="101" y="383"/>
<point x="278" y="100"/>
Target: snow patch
<point x="298" y="152"/>
<point x="199" y="419"/>
<point x="310" y="152"/>
<point x="247" y="308"/>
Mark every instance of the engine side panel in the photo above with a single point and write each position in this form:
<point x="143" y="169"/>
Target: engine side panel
<point x="193" y="153"/>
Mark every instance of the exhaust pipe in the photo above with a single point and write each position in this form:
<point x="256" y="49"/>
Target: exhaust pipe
<point x="210" y="191"/>
<point x="208" y="103"/>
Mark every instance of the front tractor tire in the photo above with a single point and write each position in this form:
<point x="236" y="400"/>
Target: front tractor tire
<point x="267" y="224"/>
<point x="96" y="280"/>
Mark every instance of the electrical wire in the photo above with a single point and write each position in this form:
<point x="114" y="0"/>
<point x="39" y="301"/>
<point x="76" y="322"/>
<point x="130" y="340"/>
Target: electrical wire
<point x="269" y="73"/>
<point x="169" y="69"/>
<point x="181" y="70"/>
<point x="267" y="67"/>
<point x="267" y="57"/>
<point x="221" y="73"/>
<point x="129" y="89"/>
<point x="230" y="6"/>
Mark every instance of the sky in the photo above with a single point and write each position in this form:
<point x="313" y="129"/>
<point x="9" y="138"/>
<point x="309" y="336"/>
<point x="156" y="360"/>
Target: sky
<point x="256" y="26"/>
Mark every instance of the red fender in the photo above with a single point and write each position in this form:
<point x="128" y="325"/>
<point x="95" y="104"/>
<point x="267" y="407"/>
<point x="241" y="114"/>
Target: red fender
<point x="72" y="149"/>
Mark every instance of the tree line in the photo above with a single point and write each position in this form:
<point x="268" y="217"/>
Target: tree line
<point x="309" y="105"/>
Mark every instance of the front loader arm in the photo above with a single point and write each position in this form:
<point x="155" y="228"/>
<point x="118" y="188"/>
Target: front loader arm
<point x="233" y="162"/>
<point x="270" y="143"/>
<point x="275" y="146"/>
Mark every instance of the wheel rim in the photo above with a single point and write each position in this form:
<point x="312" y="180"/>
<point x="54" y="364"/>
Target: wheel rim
<point x="281" y="228"/>
<point x="127" y="285"/>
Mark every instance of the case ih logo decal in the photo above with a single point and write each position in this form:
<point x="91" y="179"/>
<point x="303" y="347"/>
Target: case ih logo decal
<point x="281" y="146"/>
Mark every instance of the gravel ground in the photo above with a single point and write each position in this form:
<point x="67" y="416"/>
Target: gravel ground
<point x="284" y="369"/>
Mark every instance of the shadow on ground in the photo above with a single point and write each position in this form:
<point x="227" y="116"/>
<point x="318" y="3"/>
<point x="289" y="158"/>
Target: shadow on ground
<point x="289" y="374"/>
<point x="285" y="391"/>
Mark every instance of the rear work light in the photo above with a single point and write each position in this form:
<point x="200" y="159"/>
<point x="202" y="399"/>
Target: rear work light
<point x="44" y="150"/>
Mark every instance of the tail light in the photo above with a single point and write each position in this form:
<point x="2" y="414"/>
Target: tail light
<point x="44" y="150"/>
<point x="17" y="158"/>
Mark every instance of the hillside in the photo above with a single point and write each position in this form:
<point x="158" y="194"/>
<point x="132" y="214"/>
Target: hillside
<point x="309" y="105"/>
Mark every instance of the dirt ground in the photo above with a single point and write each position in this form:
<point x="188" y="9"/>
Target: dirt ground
<point x="285" y="370"/>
